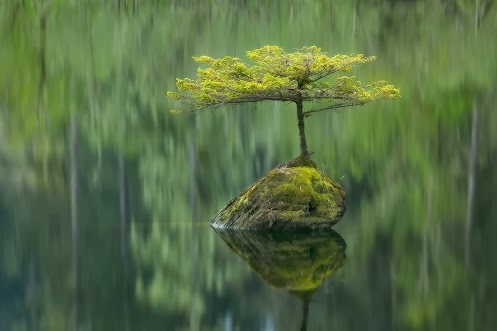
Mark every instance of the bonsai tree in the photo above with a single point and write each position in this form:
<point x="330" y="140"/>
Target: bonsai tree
<point x="275" y="75"/>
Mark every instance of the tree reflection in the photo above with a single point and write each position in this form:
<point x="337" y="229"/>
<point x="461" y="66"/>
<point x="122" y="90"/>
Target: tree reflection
<point x="292" y="261"/>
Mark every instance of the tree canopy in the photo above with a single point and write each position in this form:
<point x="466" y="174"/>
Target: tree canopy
<point x="281" y="76"/>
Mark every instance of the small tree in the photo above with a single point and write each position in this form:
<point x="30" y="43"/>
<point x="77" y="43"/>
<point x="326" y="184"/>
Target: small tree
<point x="295" y="77"/>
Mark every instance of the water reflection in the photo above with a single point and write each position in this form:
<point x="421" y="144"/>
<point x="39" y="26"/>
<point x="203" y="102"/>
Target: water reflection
<point x="293" y="261"/>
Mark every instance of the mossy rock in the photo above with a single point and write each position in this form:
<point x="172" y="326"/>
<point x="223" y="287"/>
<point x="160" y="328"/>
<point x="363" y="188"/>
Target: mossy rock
<point x="292" y="196"/>
<point x="295" y="261"/>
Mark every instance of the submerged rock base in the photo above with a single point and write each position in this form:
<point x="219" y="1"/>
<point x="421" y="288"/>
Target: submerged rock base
<point x="291" y="196"/>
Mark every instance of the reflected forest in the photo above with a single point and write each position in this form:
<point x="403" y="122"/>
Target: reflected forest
<point x="106" y="196"/>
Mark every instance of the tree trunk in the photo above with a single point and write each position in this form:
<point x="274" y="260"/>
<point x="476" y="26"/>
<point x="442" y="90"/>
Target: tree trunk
<point x="124" y="215"/>
<point x="471" y="183"/>
<point x="305" y="313"/>
<point x="192" y="166"/>
<point x="74" y="174"/>
<point x="393" y="291"/>
<point x="43" y="65"/>
<point x="300" y="118"/>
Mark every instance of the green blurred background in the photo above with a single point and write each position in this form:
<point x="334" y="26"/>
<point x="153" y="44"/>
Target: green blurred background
<point x="105" y="197"/>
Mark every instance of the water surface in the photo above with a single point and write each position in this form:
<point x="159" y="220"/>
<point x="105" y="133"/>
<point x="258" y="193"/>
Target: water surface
<point x="105" y="197"/>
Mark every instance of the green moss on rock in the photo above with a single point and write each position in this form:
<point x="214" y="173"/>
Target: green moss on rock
<point x="294" y="195"/>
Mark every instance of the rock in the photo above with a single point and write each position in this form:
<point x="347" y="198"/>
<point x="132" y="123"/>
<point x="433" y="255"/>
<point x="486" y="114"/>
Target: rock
<point x="291" y="196"/>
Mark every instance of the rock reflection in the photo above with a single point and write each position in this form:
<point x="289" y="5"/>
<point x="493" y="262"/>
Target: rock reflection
<point x="296" y="262"/>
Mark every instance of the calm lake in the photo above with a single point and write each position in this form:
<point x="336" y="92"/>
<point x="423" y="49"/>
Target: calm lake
<point x="105" y="196"/>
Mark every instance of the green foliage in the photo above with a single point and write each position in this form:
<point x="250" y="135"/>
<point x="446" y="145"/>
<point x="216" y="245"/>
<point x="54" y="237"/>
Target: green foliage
<point x="279" y="76"/>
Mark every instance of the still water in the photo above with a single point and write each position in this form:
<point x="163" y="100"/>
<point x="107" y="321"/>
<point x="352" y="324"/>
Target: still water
<point x="105" y="197"/>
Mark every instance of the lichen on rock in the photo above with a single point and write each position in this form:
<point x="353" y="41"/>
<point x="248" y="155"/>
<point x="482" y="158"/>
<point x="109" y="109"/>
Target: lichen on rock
<point x="293" y="195"/>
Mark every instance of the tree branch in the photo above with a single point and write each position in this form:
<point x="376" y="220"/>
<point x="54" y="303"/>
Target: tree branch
<point x="319" y="76"/>
<point x="333" y="106"/>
